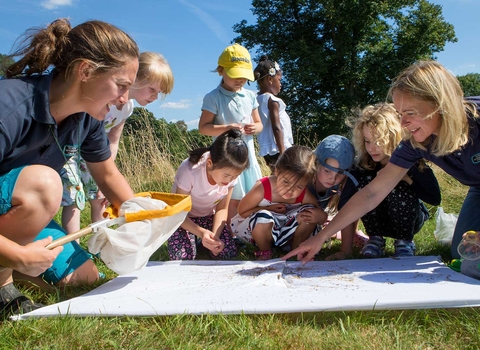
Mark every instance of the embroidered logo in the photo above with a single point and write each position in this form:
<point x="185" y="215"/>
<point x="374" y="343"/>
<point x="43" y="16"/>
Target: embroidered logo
<point x="240" y="59"/>
<point x="70" y="150"/>
<point x="476" y="158"/>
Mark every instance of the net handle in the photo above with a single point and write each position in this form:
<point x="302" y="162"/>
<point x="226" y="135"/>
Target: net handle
<point x="71" y="237"/>
<point x="178" y="203"/>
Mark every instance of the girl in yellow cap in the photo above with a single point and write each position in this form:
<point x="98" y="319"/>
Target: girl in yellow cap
<point x="230" y="106"/>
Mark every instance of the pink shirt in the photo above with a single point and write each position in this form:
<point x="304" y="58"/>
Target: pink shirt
<point x="192" y="178"/>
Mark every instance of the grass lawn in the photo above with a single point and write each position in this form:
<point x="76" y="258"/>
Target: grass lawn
<point x="409" y="329"/>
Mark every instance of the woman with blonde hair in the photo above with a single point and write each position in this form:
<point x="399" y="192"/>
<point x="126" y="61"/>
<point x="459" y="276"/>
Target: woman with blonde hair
<point x="442" y="127"/>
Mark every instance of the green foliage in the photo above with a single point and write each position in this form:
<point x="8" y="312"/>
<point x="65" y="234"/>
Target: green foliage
<point x="5" y="61"/>
<point x="470" y="84"/>
<point x="338" y="55"/>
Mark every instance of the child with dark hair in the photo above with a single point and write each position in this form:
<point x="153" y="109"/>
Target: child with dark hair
<point x="209" y="176"/>
<point x="269" y="213"/>
<point x="276" y="135"/>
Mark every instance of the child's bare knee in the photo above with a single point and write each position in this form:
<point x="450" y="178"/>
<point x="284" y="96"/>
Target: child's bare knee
<point x="85" y="274"/>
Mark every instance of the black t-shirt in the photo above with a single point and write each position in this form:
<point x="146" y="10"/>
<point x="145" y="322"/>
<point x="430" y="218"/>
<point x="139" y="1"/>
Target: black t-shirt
<point x="27" y="128"/>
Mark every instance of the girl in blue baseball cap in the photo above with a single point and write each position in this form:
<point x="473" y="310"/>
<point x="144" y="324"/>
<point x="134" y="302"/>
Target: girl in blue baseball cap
<point x="335" y="157"/>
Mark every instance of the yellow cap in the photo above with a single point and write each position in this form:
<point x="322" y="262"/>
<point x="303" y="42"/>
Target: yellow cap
<point x="237" y="63"/>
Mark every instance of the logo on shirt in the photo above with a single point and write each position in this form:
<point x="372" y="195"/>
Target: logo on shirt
<point x="70" y="150"/>
<point x="476" y="158"/>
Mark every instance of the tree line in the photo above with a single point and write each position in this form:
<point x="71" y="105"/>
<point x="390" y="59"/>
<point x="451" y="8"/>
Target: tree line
<point x="336" y="56"/>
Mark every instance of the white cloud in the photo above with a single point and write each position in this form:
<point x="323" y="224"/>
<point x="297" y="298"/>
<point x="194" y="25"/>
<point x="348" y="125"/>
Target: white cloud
<point x="176" y="105"/>
<point x="53" y="4"/>
<point x="209" y="21"/>
<point x="192" y="124"/>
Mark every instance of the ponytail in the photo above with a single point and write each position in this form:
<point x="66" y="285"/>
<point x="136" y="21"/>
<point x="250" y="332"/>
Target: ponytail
<point x="229" y="150"/>
<point x="101" y="44"/>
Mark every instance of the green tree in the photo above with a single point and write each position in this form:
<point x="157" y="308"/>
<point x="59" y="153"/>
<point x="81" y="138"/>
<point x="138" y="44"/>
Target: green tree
<point x="5" y="61"/>
<point x="338" y="55"/>
<point x="182" y="125"/>
<point x="470" y="84"/>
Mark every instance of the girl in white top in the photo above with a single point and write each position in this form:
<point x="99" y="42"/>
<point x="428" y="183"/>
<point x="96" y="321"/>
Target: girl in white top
<point x="208" y="176"/>
<point x="276" y="135"/>
<point x="154" y="76"/>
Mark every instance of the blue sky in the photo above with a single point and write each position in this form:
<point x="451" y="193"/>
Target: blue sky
<point x="192" y="34"/>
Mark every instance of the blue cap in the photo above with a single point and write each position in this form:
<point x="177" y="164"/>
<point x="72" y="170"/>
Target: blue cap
<point x="339" y="148"/>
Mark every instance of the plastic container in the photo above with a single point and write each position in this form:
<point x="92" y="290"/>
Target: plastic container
<point x="469" y="247"/>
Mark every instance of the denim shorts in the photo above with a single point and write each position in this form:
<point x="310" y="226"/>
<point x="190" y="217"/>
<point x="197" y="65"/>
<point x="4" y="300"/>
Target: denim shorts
<point x="73" y="255"/>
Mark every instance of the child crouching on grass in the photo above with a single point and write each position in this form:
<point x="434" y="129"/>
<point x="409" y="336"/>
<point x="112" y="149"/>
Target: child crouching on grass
<point x="377" y="131"/>
<point x="335" y="157"/>
<point x="208" y="176"/>
<point x="268" y="214"/>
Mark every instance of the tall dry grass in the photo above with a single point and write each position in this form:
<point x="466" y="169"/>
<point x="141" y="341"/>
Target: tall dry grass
<point x="149" y="159"/>
<point x="140" y="159"/>
<point x="453" y="192"/>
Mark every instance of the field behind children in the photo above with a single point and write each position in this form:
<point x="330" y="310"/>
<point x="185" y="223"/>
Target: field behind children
<point x="149" y="167"/>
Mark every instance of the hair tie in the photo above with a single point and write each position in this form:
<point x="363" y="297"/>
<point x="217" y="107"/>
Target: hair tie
<point x="238" y="142"/>
<point x="272" y="71"/>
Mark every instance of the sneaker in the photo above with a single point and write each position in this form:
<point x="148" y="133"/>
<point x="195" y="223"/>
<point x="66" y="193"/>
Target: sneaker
<point x="404" y="248"/>
<point x="14" y="302"/>
<point x="374" y="248"/>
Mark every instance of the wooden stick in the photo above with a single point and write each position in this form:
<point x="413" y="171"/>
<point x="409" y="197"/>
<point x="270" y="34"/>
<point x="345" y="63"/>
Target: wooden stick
<point x="71" y="237"/>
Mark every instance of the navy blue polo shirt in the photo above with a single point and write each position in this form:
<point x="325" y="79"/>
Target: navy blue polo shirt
<point x="463" y="164"/>
<point x="27" y="128"/>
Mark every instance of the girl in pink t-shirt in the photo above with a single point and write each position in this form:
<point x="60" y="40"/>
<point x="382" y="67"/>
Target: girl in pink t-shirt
<point x="208" y="176"/>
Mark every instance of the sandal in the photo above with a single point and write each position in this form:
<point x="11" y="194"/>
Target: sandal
<point x="263" y="254"/>
<point x="404" y="248"/>
<point x="374" y="248"/>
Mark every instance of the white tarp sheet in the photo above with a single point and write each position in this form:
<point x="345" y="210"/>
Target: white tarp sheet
<point x="275" y="286"/>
